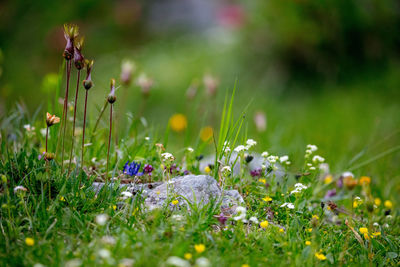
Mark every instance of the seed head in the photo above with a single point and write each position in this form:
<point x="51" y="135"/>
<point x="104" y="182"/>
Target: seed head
<point x="71" y="31"/>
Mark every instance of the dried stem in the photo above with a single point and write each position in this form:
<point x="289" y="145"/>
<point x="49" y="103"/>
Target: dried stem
<point x="73" y="125"/>
<point x="65" y="113"/>
<point x="84" y="127"/>
<point x="109" y="141"/>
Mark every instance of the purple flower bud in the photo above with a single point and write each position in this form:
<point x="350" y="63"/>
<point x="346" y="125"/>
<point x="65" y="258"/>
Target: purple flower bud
<point x="78" y="58"/>
<point x="148" y="169"/>
<point x="330" y="193"/>
<point x="256" y="173"/>
<point x="222" y="219"/>
<point x="339" y="182"/>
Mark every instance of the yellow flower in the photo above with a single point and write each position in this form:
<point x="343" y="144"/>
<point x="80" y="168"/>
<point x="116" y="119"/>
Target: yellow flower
<point x="29" y="241"/>
<point x="199" y="248"/>
<point x="308" y="243"/>
<point x="388" y="204"/>
<point x="349" y="182"/>
<point x="356" y="203"/>
<point x="62" y="199"/>
<point x="315" y="217"/>
<point x="281" y="230"/>
<point x="363" y="230"/>
<point x="267" y="199"/>
<point x="377" y="201"/>
<point x="158" y="192"/>
<point x="320" y="256"/>
<point x="207" y="169"/>
<point x="364" y="180"/>
<point x="366" y="236"/>
<point x="309" y="230"/>
<point x="178" y="122"/>
<point x="245" y="265"/>
<point x="175" y="202"/>
<point x="262" y="181"/>
<point x="264" y="224"/>
<point x="376" y="234"/>
<point x="114" y="207"/>
<point x="328" y="179"/>
<point x="187" y="256"/>
<point x="206" y="133"/>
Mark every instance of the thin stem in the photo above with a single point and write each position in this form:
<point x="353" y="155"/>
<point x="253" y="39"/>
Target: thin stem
<point x="109" y="141"/>
<point x="65" y="114"/>
<point x="98" y="120"/>
<point x="73" y="125"/>
<point x="84" y="127"/>
<point x="47" y="136"/>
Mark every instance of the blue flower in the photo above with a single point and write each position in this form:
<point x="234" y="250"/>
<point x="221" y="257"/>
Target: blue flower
<point x="132" y="168"/>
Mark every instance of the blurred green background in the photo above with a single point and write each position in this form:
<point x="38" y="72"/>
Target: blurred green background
<point x="324" y="72"/>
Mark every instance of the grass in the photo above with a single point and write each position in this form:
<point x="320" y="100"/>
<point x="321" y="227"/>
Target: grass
<point x="355" y="128"/>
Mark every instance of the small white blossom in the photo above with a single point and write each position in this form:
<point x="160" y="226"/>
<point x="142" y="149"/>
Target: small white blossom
<point x="178" y="262"/>
<point x="272" y="159"/>
<point x="29" y="128"/>
<point x="19" y="188"/>
<point x="43" y="132"/>
<point x="104" y="253"/>
<point x="241" y="214"/>
<point x="126" y="194"/>
<point x="312" y="168"/>
<point x="324" y="167"/>
<point x="264" y="154"/>
<point x="288" y="205"/>
<point x="101" y="219"/>
<point x="298" y="188"/>
<point x="109" y="240"/>
<point x="318" y="159"/>
<point x="376" y="224"/>
<point x="288" y="162"/>
<point x="240" y="148"/>
<point x="147" y="138"/>
<point x="250" y="143"/>
<point x="254" y="220"/>
<point x="284" y="159"/>
<point x="203" y="262"/>
<point x="226" y="170"/>
<point x="348" y="174"/>
<point x="168" y="156"/>
<point x="313" y="148"/>
<point x="190" y="150"/>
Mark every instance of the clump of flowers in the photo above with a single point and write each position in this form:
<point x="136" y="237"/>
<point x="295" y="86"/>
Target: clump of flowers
<point x="132" y="168"/>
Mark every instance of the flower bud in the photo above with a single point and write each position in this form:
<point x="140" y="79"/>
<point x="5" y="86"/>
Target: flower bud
<point x="87" y="83"/>
<point x="49" y="156"/>
<point x="51" y="119"/>
<point x="126" y="72"/>
<point x="145" y="84"/>
<point x="111" y="97"/>
<point x="71" y="31"/>
<point x="78" y="58"/>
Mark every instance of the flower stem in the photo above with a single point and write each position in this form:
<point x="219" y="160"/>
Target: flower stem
<point x="47" y="136"/>
<point x="73" y="125"/>
<point x="109" y="141"/>
<point x="65" y="113"/>
<point x="98" y="120"/>
<point x="84" y="127"/>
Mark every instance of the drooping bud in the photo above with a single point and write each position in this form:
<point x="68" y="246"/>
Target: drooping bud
<point x="111" y="97"/>
<point x="87" y="83"/>
<point x="127" y="69"/>
<point x="78" y="58"/>
<point x="145" y="83"/>
<point x="71" y="31"/>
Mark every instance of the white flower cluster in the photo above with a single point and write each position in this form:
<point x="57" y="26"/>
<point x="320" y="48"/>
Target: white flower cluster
<point x="249" y="144"/>
<point x="167" y="157"/>
<point x="190" y="150"/>
<point x="298" y="188"/>
<point x="287" y="205"/>
<point x="316" y="159"/>
<point x="226" y="170"/>
<point x="240" y="148"/>
<point x="241" y="213"/>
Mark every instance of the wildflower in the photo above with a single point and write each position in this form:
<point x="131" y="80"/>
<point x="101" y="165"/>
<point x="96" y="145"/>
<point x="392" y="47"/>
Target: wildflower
<point x="264" y="181"/>
<point x="127" y="68"/>
<point x="190" y="150"/>
<point x="62" y="199"/>
<point x="126" y="194"/>
<point x="51" y="119"/>
<point x="207" y="169"/>
<point x="78" y="58"/>
<point x="257" y="173"/>
<point x="260" y="120"/>
<point x="87" y="83"/>
<point x="375" y="234"/>
<point x="148" y="169"/>
<point x="104" y="253"/>
<point x="175" y="202"/>
<point x="200" y="248"/>
<point x="131" y="168"/>
<point x="308" y="243"/>
<point x="19" y="188"/>
<point x="388" y="204"/>
<point x="328" y="179"/>
<point x="250" y="143"/>
<point x="29" y="128"/>
<point x="264" y="224"/>
<point x="349" y="182"/>
<point x="240" y="148"/>
<point x="315" y="217"/>
<point x="253" y="220"/>
<point x="245" y="265"/>
<point x="192" y="90"/>
<point x="298" y="188"/>
<point x="222" y="218"/>
<point x="312" y="148"/>
<point x="178" y="122"/>
<point x="320" y="256"/>
<point x="206" y="133"/>
<point x="188" y="256"/>
<point x="167" y="157"/>
<point x="309" y="230"/>
<point x="71" y="31"/>
<point x="264" y="154"/>
<point x="226" y="170"/>
<point x="125" y="262"/>
<point x="318" y="159"/>
<point x="145" y="83"/>
<point x="288" y="205"/>
<point x="281" y="230"/>
<point x="312" y="168"/>
<point x="357" y="201"/>
<point x="241" y="214"/>
<point x="330" y="193"/>
<point x="29" y="241"/>
<point x="267" y="199"/>
<point x="284" y="159"/>
<point x="363" y="230"/>
<point x="324" y="167"/>
<point x="111" y="97"/>
<point x="272" y="159"/>
<point x="365" y="180"/>
<point x="211" y="83"/>
<point x="101" y="219"/>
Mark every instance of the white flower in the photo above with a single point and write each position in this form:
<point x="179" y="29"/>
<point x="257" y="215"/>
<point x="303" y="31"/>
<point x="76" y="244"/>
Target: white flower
<point x="309" y="164"/>
<point x="29" y="128"/>
<point x="178" y="262"/>
<point x="126" y="194"/>
<point x="284" y="158"/>
<point x="126" y="262"/>
<point x="264" y="154"/>
<point x="189" y="149"/>
<point x="147" y="138"/>
<point x="288" y="205"/>
<point x="240" y="148"/>
<point x="272" y="159"/>
<point x="312" y="168"/>
<point x="298" y="188"/>
<point x="19" y="188"/>
<point x="203" y="262"/>
<point x="104" y="253"/>
<point x="101" y="219"/>
<point x="226" y="170"/>
<point x="313" y="148"/>
<point x="288" y="162"/>
<point x="250" y="143"/>
<point x="348" y="174"/>
<point x="317" y="159"/>
<point x="241" y="214"/>
<point x="376" y="224"/>
<point x="168" y="156"/>
<point x="254" y="220"/>
<point x="324" y="167"/>
<point x="177" y="217"/>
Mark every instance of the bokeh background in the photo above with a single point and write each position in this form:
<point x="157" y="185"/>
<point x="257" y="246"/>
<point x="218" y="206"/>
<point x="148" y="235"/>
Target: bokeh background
<point x="323" y="72"/>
